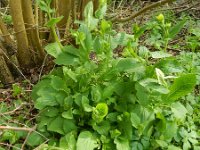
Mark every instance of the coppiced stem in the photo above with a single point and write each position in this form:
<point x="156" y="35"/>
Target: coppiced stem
<point x="31" y="29"/>
<point x="23" y="52"/>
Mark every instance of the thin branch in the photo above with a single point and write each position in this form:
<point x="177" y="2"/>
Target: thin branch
<point x="23" y="145"/>
<point x="143" y="10"/>
<point x="16" y="128"/>
<point x="10" y="146"/>
<point x="13" y="111"/>
<point x="190" y="7"/>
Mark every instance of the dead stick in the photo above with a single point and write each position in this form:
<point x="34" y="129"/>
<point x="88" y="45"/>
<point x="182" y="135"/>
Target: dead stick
<point x="16" y="128"/>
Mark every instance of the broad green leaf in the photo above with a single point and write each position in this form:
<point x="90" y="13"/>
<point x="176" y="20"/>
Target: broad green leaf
<point x="160" y="54"/>
<point x="96" y="93"/>
<point x="65" y="58"/>
<point x="86" y="41"/>
<point x="34" y="139"/>
<point x="67" y="114"/>
<point x="112" y="117"/>
<point x="179" y="111"/>
<point x="71" y="50"/>
<point x="43" y="121"/>
<point x="88" y="15"/>
<point x="115" y="133"/>
<point x="161" y="143"/>
<point x="68" y="101"/>
<point x="120" y="39"/>
<point x="9" y="136"/>
<point x="186" y="145"/>
<point x="101" y="11"/>
<point x="68" y="142"/>
<point x="56" y="125"/>
<point x="169" y="65"/>
<point x="100" y="111"/>
<point x="136" y="146"/>
<point x="43" y="6"/>
<point x="43" y="83"/>
<point x="195" y="148"/>
<point x="46" y="90"/>
<point x="86" y="105"/>
<point x="50" y="112"/>
<point x="181" y="87"/>
<point x="53" y="21"/>
<point x="138" y="31"/>
<point x="176" y="28"/>
<point x="135" y="120"/>
<point x="58" y="83"/>
<point x="172" y="127"/>
<point x="86" y="141"/>
<point x="126" y="126"/>
<point x="128" y="65"/>
<point x="172" y="147"/>
<point x="60" y="96"/>
<point x="46" y="100"/>
<point x="102" y="128"/>
<point x="142" y="95"/>
<point x="105" y="25"/>
<point x="152" y="85"/>
<point x="69" y="125"/>
<point x="122" y="144"/>
<point x="109" y="90"/>
<point x="70" y="73"/>
<point x="53" y="49"/>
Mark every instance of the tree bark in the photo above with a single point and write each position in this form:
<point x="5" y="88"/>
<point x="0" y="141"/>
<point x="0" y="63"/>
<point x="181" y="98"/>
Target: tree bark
<point x="64" y="9"/>
<point x="6" y="39"/>
<point x="5" y="75"/>
<point x="96" y="5"/>
<point x="23" y="52"/>
<point x="31" y="28"/>
<point x="9" y="48"/>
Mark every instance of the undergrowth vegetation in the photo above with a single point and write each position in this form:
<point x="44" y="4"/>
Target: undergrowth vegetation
<point x="116" y="91"/>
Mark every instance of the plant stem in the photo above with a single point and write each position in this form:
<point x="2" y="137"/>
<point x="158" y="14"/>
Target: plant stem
<point x="53" y="29"/>
<point x="166" y="44"/>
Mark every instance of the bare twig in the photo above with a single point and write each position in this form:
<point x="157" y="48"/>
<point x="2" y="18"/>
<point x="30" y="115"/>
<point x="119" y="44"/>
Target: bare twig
<point x="27" y="137"/>
<point x="16" y="128"/>
<point x="43" y="65"/>
<point x="13" y="111"/>
<point x="190" y="7"/>
<point x="9" y="145"/>
<point x="143" y="10"/>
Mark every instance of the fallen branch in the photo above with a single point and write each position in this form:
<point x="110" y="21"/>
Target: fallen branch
<point x="143" y="10"/>
<point x="16" y="128"/>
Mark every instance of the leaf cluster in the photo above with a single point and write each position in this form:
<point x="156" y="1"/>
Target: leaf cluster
<point x="95" y="100"/>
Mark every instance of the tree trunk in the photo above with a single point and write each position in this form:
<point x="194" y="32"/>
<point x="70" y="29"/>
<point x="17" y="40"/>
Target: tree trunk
<point x="5" y="75"/>
<point x="9" y="48"/>
<point x="96" y="5"/>
<point x="32" y="32"/>
<point x="64" y="9"/>
<point x="23" y="52"/>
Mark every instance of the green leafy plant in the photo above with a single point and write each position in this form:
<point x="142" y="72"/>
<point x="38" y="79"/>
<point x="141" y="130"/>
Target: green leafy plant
<point x="96" y="101"/>
<point x="162" y="31"/>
